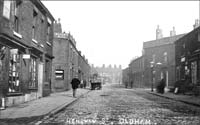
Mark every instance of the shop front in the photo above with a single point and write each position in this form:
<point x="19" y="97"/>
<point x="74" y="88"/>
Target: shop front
<point x="11" y="71"/>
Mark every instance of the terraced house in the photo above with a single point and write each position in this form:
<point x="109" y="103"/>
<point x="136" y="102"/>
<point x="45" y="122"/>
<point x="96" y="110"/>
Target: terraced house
<point x="187" y="60"/>
<point x="136" y="70"/>
<point x="83" y="68"/>
<point x="68" y="61"/>
<point x="159" y="59"/>
<point x="26" y="35"/>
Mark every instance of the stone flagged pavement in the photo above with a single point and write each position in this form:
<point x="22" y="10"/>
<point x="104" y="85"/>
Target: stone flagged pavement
<point x="44" y="106"/>
<point x="188" y="99"/>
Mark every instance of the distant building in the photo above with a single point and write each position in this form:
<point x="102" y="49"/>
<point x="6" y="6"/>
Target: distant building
<point x="83" y="69"/>
<point x="125" y="77"/>
<point x="68" y="62"/>
<point x="159" y="59"/>
<point x="136" y="72"/>
<point x="110" y="74"/>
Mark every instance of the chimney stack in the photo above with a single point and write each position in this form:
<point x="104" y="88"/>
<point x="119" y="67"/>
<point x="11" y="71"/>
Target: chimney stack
<point x="158" y="33"/>
<point x="57" y="26"/>
<point x="196" y="24"/>
<point x="173" y="32"/>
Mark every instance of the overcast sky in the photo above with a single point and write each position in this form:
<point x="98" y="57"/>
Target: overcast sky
<point x="113" y="32"/>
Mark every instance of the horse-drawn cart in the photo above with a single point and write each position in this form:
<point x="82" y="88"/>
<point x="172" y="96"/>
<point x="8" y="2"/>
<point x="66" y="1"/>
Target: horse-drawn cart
<point x="96" y="85"/>
<point x="96" y="82"/>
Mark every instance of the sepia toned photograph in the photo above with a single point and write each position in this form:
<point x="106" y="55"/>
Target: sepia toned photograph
<point x="99" y="62"/>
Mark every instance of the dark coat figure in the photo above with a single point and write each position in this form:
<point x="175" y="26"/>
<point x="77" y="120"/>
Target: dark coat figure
<point x="161" y="86"/>
<point x="84" y="83"/>
<point x="75" y="83"/>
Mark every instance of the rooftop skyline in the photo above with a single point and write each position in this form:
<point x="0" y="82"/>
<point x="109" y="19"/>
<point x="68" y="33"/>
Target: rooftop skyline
<point x="113" y="32"/>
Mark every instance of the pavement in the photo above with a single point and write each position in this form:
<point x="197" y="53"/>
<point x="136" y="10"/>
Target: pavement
<point x="188" y="99"/>
<point x="45" y="106"/>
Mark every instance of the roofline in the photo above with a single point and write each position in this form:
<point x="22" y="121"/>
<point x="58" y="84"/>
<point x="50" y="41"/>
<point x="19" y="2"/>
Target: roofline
<point x="162" y="39"/>
<point x="166" y="37"/>
<point x="136" y="59"/>
<point x="42" y="6"/>
<point x="194" y="30"/>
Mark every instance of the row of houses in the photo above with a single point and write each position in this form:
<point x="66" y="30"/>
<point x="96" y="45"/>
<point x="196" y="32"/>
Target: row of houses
<point x="173" y="58"/>
<point x="109" y="74"/>
<point x="68" y="61"/>
<point x="32" y="63"/>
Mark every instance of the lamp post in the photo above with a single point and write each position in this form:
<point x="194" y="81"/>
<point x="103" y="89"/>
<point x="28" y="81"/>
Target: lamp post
<point x="152" y="75"/>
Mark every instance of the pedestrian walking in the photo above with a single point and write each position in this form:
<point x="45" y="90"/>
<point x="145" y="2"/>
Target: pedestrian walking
<point x="75" y="83"/>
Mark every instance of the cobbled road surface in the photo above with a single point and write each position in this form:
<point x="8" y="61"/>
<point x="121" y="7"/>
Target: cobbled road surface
<point x="117" y="105"/>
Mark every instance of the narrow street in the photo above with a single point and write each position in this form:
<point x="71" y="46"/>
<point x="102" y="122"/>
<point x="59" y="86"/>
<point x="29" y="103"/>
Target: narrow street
<point x="116" y="105"/>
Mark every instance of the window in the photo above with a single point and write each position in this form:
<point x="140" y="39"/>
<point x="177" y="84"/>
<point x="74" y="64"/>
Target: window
<point x="178" y="74"/>
<point x="165" y="57"/>
<point x="194" y="72"/>
<point x="2" y="61"/>
<point x="48" y="31"/>
<point x="153" y="58"/>
<point x="16" y="5"/>
<point x="59" y="74"/>
<point x="47" y="70"/>
<point x="34" y="24"/>
<point x="14" y="71"/>
<point x="6" y="8"/>
<point x="33" y="73"/>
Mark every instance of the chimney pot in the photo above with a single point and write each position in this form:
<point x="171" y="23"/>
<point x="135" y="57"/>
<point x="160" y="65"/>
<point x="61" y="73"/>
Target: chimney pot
<point x="196" y="24"/>
<point x="173" y="32"/>
<point x="158" y="33"/>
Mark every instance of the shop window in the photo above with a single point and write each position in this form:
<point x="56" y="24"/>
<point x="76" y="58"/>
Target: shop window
<point x="194" y="72"/>
<point x="14" y="71"/>
<point x="178" y="74"/>
<point x="59" y="74"/>
<point x="33" y="73"/>
<point x="198" y="70"/>
<point x="2" y="57"/>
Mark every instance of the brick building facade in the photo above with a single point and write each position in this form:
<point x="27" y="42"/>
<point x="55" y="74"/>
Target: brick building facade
<point x="110" y="74"/>
<point x="68" y="62"/>
<point x="159" y="60"/>
<point x="26" y="35"/>
<point x="83" y="68"/>
<point x="187" y="58"/>
<point x="136" y="69"/>
<point x="125" y="77"/>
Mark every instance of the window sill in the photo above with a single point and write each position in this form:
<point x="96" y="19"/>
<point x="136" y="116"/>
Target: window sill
<point x="17" y="34"/>
<point x="35" y="41"/>
<point x="41" y="45"/>
<point x="48" y="43"/>
<point x="14" y="94"/>
<point x="32" y="89"/>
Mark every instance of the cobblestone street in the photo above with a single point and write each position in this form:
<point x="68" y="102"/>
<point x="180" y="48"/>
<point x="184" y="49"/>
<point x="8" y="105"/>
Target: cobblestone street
<point x="116" y="105"/>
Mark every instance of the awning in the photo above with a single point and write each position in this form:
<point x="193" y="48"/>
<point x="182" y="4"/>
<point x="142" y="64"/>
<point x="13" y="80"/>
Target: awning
<point x="12" y="42"/>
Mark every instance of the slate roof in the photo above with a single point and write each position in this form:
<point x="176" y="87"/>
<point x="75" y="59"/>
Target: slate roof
<point x="162" y="41"/>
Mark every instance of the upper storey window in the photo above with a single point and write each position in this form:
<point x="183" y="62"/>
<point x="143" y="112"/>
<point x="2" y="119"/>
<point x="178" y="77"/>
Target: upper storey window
<point x="15" y="6"/>
<point x="6" y="8"/>
<point x="48" y="29"/>
<point x="34" y="24"/>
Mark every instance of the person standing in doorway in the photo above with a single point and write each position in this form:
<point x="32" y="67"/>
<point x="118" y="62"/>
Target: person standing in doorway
<point x="75" y="83"/>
